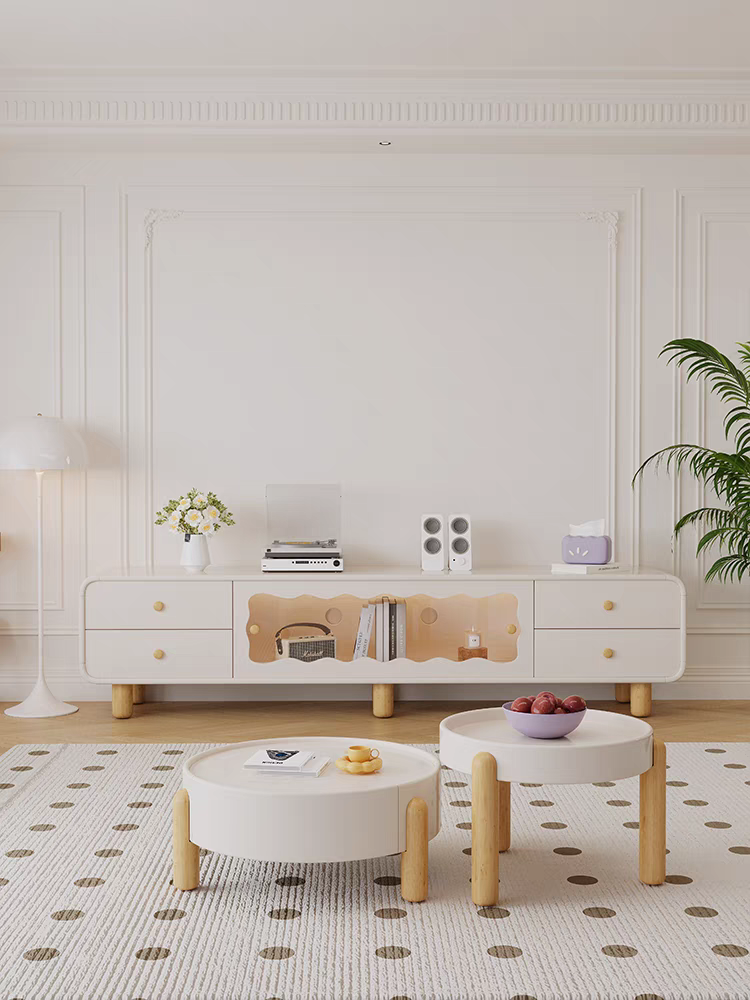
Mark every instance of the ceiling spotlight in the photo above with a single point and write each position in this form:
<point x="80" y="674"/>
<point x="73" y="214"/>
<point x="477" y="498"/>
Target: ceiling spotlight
<point x="384" y="144"/>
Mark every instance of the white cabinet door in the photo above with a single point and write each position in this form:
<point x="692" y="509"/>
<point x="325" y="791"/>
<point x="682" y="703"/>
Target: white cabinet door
<point x="607" y="604"/>
<point x="574" y="655"/>
<point x="159" y="656"/>
<point x="140" y="604"/>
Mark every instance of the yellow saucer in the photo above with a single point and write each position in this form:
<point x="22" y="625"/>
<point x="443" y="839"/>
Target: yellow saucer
<point x="359" y="767"/>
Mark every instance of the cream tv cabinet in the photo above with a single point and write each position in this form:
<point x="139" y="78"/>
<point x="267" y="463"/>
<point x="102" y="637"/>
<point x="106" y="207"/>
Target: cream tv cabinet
<point x="165" y="627"/>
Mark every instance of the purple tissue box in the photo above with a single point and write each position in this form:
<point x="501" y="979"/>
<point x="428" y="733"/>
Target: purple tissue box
<point x="591" y="550"/>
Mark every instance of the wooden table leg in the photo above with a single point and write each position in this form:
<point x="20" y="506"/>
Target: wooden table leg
<point x="622" y="693"/>
<point x="382" y="701"/>
<point x="503" y="814"/>
<point x="640" y="700"/>
<point x="122" y="701"/>
<point x="414" y="858"/>
<point x="139" y="694"/>
<point x="653" y="819"/>
<point x="186" y="856"/>
<point x="485" y="835"/>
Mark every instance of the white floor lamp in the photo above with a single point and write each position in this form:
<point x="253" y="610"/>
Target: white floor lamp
<point x="42" y="444"/>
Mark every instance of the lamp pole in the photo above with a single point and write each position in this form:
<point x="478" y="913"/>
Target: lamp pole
<point x="41" y="703"/>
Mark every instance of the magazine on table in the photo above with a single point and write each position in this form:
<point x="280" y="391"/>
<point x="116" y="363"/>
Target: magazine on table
<point x="286" y="761"/>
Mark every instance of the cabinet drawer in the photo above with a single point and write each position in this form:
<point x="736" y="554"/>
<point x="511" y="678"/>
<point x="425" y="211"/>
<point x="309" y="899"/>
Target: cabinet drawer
<point x="186" y="655"/>
<point x="163" y="605"/>
<point x="607" y="604"/>
<point x="637" y="654"/>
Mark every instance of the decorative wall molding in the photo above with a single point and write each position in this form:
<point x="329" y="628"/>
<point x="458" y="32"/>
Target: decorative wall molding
<point x="152" y="219"/>
<point x="500" y="106"/>
<point x="609" y="218"/>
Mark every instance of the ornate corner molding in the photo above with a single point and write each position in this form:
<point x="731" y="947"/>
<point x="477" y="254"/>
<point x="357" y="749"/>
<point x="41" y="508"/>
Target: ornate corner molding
<point x="612" y="222"/>
<point x="156" y="215"/>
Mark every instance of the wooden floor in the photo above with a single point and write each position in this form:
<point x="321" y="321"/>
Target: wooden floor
<point x="413" y="722"/>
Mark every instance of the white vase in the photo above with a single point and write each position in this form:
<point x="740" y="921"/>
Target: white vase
<point x="195" y="557"/>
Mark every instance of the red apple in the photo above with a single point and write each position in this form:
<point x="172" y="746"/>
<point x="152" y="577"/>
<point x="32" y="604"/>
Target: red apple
<point x="574" y="703"/>
<point x="560" y="711"/>
<point x="521" y="705"/>
<point x="548" y="694"/>
<point x="543" y="706"/>
<point x="558" y="702"/>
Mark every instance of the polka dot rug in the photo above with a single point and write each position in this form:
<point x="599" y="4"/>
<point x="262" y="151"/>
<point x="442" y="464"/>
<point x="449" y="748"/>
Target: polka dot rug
<point x="87" y="910"/>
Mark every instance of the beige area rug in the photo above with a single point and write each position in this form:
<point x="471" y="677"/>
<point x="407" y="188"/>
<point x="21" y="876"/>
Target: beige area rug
<point x="87" y="911"/>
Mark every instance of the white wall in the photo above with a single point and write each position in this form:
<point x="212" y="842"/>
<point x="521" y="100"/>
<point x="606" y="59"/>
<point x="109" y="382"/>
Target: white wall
<point x="474" y="332"/>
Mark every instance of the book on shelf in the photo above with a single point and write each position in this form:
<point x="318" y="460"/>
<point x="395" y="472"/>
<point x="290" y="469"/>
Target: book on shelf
<point x="390" y="628"/>
<point x="400" y="627"/>
<point x="584" y="569"/>
<point x="364" y="632"/>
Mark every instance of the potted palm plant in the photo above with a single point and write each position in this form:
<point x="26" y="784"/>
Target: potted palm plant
<point x="726" y="473"/>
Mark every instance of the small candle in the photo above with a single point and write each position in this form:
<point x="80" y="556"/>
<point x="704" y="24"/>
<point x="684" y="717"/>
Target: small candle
<point x="473" y="638"/>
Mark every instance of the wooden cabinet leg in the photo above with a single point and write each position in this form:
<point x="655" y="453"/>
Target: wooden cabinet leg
<point x="414" y="858"/>
<point x="640" y="700"/>
<point x="653" y="819"/>
<point x="122" y="701"/>
<point x="503" y="815"/>
<point x="382" y="701"/>
<point x="622" y="693"/>
<point x="139" y="694"/>
<point x="186" y="872"/>
<point x="485" y="837"/>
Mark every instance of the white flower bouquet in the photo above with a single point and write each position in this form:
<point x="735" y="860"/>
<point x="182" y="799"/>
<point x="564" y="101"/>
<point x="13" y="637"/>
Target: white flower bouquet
<point x="195" y="514"/>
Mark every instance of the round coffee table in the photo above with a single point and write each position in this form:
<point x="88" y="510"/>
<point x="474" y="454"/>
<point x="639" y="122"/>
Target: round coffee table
<point x="282" y="817"/>
<point x="606" y="746"/>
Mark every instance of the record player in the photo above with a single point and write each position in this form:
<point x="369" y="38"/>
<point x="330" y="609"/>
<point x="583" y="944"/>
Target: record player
<point x="303" y="523"/>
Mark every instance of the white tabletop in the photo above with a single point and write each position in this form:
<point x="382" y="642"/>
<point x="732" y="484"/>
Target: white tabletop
<point x="605" y="746"/>
<point x="223" y="766"/>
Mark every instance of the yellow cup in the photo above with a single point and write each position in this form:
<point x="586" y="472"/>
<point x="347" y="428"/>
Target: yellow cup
<point x="362" y="754"/>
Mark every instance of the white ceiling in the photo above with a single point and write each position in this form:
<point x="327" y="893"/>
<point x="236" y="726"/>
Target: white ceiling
<point x="397" y="37"/>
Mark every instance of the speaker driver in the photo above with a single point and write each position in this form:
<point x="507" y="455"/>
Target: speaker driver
<point x="460" y="545"/>
<point x="432" y="525"/>
<point x="433" y="546"/>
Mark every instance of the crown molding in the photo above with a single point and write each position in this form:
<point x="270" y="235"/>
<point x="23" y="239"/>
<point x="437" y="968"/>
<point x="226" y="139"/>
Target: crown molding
<point x="295" y="106"/>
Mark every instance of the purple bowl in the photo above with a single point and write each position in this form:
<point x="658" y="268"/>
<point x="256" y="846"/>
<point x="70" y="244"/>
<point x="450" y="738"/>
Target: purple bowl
<point x="543" y="727"/>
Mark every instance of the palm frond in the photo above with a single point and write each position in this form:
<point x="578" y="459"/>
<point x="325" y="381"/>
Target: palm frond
<point x="730" y="383"/>
<point x="728" y="568"/>
<point x="726" y="473"/>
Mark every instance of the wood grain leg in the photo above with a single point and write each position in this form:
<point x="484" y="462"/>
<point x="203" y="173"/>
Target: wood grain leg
<point x="139" y="694"/>
<point x="640" y="700"/>
<point x="622" y="693"/>
<point x="122" y="701"/>
<point x="382" y="701"/>
<point x="653" y="819"/>
<point x="185" y="855"/>
<point x="485" y="838"/>
<point x="414" y="858"/>
<point x="503" y="815"/>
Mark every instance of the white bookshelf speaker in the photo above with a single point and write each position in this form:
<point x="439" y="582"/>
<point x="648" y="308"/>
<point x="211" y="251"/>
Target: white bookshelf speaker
<point x="433" y="543"/>
<point x="459" y="542"/>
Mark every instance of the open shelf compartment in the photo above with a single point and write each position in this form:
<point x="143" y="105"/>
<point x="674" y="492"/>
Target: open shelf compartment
<point x="435" y="626"/>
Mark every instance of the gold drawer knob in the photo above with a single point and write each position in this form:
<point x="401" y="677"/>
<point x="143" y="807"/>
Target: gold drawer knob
<point x="608" y="605"/>
<point x="254" y="629"/>
<point x="608" y="653"/>
<point x="510" y="629"/>
<point x="158" y="654"/>
<point x="158" y="605"/>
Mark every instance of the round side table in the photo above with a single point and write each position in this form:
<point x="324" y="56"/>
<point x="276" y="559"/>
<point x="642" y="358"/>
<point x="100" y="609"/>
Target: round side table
<point x="230" y="809"/>
<point x="606" y="746"/>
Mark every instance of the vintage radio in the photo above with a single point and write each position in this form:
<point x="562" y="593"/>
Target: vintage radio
<point x="305" y="647"/>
